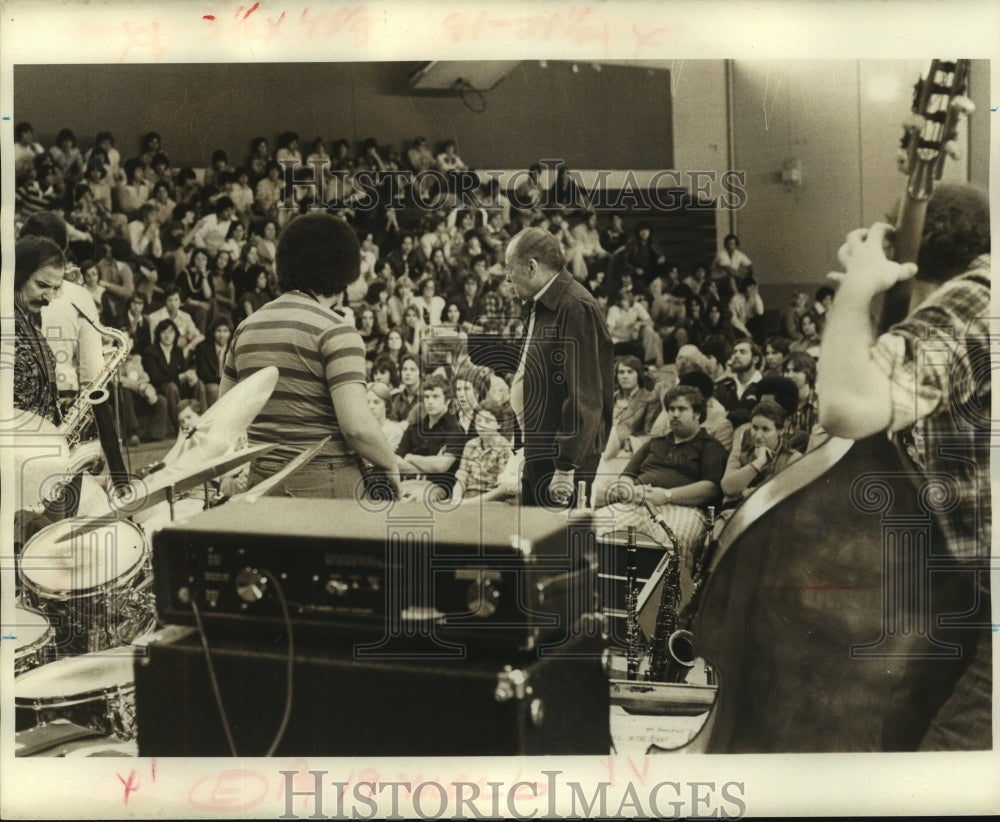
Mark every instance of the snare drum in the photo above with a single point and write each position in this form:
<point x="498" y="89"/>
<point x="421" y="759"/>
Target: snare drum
<point x="92" y="691"/>
<point x="87" y="577"/>
<point x="34" y="640"/>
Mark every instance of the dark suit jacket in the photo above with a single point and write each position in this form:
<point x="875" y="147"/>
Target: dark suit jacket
<point x="206" y="363"/>
<point x="160" y="371"/>
<point x="568" y="379"/>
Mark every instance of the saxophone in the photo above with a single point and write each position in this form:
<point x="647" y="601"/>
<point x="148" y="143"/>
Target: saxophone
<point x="671" y="652"/>
<point x="79" y="413"/>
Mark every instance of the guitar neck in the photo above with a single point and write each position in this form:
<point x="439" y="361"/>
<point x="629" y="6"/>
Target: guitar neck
<point x="906" y="243"/>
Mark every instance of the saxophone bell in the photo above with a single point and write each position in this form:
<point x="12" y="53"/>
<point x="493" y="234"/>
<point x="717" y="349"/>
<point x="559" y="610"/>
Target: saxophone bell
<point x="681" y="648"/>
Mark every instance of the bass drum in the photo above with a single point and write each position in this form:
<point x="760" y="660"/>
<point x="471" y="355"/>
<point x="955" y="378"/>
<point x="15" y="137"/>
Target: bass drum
<point x="833" y="617"/>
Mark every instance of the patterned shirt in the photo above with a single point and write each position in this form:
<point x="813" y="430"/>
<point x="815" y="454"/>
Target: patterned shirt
<point x="483" y="464"/>
<point x="315" y="351"/>
<point x="938" y="362"/>
<point x="34" y="368"/>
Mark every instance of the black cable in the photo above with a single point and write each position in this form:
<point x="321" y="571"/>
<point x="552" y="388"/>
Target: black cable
<point x="211" y="677"/>
<point x="289" y="672"/>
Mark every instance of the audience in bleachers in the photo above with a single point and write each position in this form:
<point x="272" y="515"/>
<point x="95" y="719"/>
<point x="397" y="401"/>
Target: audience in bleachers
<point x="197" y="248"/>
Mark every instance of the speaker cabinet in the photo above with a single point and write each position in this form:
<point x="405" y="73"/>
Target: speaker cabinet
<point x="553" y="703"/>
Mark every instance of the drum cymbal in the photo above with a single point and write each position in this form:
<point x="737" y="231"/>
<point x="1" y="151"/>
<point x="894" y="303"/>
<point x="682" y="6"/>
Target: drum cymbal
<point x="182" y="476"/>
<point x="222" y="426"/>
<point x="262" y="489"/>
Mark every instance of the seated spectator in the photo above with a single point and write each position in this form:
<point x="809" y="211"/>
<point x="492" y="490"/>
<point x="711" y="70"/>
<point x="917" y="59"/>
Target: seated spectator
<point x="730" y="262"/>
<point x="635" y="410"/>
<point x="824" y="299"/>
<point x="144" y="412"/>
<point x="676" y="474"/>
<point x="175" y="237"/>
<point x="269" y="193"/>
<point x="717" y="351"/>
<point x="118" y="277"/>
<point x="167" y="368"/>
<point x="483" y="459"/>
<point x="788" y="325"/>
<point x="135" y="193"/>
<point x="267" y="247"/>
<point x="588" y="240"/>
<point x="399" y="301"/>
<point x="242" y="195"/>
<point x="26" y="150"/>
<point x="194" y="285"/>
<point x="37" y="192"/>
<point x="405" y="397"/>
<point x="253" y="299"/>
<point x="217" y="180"/>
<point x="67" y="158"/>
<point x="669" y="315"/>
<point x="643" y="257"/>
<point x="775" y="351"/>
<point x="419" y="156"/>
<point x="746" y="307"/>
<point x="413" y="330"/>
<point x="718" y="323"/>
<point x="160" y="198"/>
<point x="210" y="356"/>
<point x="632" y="330"/>
<point x="810" y="335"/>
<point x="800" y="368"/>
<point x="222" y="303"/>
<point x="448" y="160"/>
<point x="102" y="299"/>
<point x="431" y="447"/>
<point x="188" y="335"/>
<point x="103" y="152"/>
<point x="151" y="145"/>
<point x="259" y="159"/>
<point x="210" y="231"/>
<point x="428" y="302"/>
<point x="369" y="331"/>
<point x="384" y="371"/>
<point x="694" y="324"/>
<point x="136" y="324"/>
<point x="760" y="450"/>
<point x="379" y="400"/>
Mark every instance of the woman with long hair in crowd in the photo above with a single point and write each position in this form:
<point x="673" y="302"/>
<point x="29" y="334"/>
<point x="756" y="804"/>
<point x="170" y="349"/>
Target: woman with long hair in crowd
<point x="379" y="401"/>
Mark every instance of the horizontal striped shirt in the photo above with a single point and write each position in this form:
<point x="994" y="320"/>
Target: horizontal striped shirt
<point x="315" y="351"/>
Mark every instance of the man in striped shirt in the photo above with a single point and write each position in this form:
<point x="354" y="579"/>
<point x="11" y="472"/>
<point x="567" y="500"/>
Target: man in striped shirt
<point x="321" y="363"/>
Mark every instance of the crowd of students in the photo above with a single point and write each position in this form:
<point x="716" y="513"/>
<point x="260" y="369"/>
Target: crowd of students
<point x="177" y="259"/>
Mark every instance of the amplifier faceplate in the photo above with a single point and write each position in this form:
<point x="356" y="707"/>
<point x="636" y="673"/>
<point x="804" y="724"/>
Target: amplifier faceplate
<point x="476" y="576"/>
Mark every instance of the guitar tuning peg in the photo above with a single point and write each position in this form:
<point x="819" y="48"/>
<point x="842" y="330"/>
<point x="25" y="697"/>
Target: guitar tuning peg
<point x="963" y="105"/>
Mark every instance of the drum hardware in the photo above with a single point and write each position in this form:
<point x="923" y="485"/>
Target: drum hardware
<point x="35" y="639"/>
<point x="95" y="690"/>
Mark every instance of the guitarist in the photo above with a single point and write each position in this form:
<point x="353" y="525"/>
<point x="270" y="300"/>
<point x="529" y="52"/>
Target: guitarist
<point x="926" y="380"/>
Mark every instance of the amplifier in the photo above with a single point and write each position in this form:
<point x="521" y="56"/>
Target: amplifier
<point x="388" y="578"/>
<point x="534" y="705"/>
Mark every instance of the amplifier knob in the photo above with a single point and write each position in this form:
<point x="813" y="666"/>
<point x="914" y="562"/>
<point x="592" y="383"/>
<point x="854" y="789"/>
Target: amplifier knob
<point x="251" y="585"/>
<point x="337" y="587"/>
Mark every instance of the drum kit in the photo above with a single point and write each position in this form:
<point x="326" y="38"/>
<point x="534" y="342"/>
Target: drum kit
<point x="86" y="607"/>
